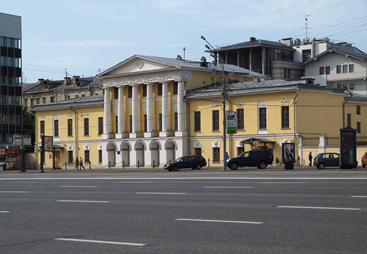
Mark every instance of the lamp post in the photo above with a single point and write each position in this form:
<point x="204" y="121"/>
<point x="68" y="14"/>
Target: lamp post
<point x="210" y="47"/>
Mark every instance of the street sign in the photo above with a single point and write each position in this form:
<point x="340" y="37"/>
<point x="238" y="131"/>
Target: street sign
<point x="231" y="122"/>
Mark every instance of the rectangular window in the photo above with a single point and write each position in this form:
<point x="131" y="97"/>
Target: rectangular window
<point x="262" y="118"/>
<point x="86" y="156"/>
<point x="240" y="150"/>
<point x="240" y="119"/>
<point x="351" y="86"/>
<point x="349" y="120"/>
<point x="198" y="151"/>
<point x="129" y="92"/>
<point x="176" y="121"/>
<point x="216" y="154"/>
<point x="86" y="126"/>
<point x="345" y="68"/>
<point x="144" y="90"/>
<point x="52" y="99"/>
<point x="215" y="120"/>
<point x="338" y="69"/>
<point x="351" y="68"/>
<point x="32" y="102"/>
<point x="145" y="123"/>
<point x="306" y="55"/>
<point x="38" y="101"/>
<point x="285" y="117"/>
<point x="175" y="87"/>
<point x="197" y="121"/>
<point x="44" y="100"/>
<point x="159" y="89"/>
<point x="42" y="127"/>
<point x="99" y="156"/>
<point x="327" y="70"/>
<point x="100" y="125"/>
<point x="70" y="127"/>
<point x="70" y="157"/>
<point x="116" y="124"/>
<point x="130" y="123"/>
<point x="321" y="71"/>
<point x="116" y="93"/>
<point x="358" y="110"/>
<point x="358" y="127"/>
<point x="160" y="121"/>
<point x="56" y="128"/>
<point x="25" y="102"/>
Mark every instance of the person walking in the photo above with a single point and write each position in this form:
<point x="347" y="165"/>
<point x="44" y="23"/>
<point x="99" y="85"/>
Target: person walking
<point x="77" y="163"/>
<point x="310" y="158"/>
<point x="81" y="163"/>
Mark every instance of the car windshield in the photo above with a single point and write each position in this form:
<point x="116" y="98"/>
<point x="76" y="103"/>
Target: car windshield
<point x="179" y="159"/>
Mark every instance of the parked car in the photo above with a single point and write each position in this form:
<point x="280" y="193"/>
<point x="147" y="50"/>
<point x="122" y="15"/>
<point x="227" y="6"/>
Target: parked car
<point x="254" y="158"/>
<point x="364" y="160"/>
<point x="323" y="160"/>
<point x="191" y="161"/>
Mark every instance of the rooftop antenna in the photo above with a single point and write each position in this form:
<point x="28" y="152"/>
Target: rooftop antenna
<point x="66" y="73"/>
<point x="184" y="49"/>
<point x="307" y="23"/>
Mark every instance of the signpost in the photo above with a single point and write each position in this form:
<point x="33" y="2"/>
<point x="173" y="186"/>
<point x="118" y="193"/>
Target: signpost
<point x="231" y="122"/>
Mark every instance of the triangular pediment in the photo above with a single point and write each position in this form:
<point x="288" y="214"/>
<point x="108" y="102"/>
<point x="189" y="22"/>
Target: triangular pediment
<point x="135" y="65"/>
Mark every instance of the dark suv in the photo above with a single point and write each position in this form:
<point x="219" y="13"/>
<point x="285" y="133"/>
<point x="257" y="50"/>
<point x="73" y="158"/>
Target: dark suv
<point x="323" y="160"/>
<point x="191" y="161"/>
<point x="253" y="158"/>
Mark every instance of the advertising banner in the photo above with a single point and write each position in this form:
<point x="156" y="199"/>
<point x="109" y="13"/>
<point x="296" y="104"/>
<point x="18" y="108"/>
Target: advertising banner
<point x="348" y="148"/>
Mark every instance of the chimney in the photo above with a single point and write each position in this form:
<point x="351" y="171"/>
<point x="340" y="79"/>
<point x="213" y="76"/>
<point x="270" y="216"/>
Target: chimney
<point x="203" y="62"/>
<point x="76" y="80"/>
<point x="41" y="80"/>
<point x="67" y="81"/>
<point x="179" y="57"/>
<point x="252" y="39"/>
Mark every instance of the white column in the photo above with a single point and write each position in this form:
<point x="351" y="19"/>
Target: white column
<point x="180" y="106"/>
<point x="120" y="113"/>
<point x="150" y="106"/>
<point x="107" y="114"/>
<point x="165" y="109"/>
<point x="135" y="107"/>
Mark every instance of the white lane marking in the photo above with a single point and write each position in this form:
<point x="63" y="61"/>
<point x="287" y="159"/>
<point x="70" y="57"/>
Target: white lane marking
<point x="4" y="211"/>
<point x="227" y="187"/>
<point x="189" y="178"/>
<point x="282" y="182"/>
<point x="134" y="182"/>
<point x="82" y="201"/>
<point x="97" y="241"/>
<point x="14" y="191"/>
<point x="65" y="186"/>
<point x="221" y="221"/>
<point x="359" y="196"/>
<point x="321" y="208"/>
<point x="160" y="193"/>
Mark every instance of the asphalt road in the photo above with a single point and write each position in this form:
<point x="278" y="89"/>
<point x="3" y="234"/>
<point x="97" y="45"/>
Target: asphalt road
<point x="184" y="212"/>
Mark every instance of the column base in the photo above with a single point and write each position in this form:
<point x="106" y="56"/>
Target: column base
<point x="136" y="135"/>
<point x="122" y="135"/>
<point x="108" y="136"/>
<point x="165" y="134"/>
<point x="150" y="134"/>
<point x="181" y="133"/>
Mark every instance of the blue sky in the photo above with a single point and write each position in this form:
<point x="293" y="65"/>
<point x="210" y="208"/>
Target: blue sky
<point x="85" y="37"/>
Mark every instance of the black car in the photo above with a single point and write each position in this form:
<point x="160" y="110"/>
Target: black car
<point x="254" y="158"/>
<point x="323" y="160"/>
<point x="191" y="161"/>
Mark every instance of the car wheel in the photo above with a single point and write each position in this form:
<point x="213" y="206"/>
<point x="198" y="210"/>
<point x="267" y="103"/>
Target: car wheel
<point x="198" y="167"/>
<point x="321" y="166"/>
<point x="262" y="165"/>
<point x="233" y="166"/>
<point x="170" y="169"/>
<point x="175" y="168"/>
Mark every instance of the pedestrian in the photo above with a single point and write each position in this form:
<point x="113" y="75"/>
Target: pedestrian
<point x="81" y="163"/>
<point x="76" y="163"/>
<point x="227" y="156"/>
<point x="310" y="158"/>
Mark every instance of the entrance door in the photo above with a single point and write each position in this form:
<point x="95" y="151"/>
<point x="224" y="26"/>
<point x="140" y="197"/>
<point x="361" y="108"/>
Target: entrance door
<point x="57" y="159"/>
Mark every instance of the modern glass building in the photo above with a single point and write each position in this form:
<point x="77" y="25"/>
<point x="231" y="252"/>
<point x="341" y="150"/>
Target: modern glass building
<point x="10" y="78"/>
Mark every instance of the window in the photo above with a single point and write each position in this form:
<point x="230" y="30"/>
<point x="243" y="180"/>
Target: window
<point x="130" y="123"/>
<point x="99" y="156"/>
<point x="67" y="96"/>
<point x="38" y="101"/>
<point x="70" y="157"/>
<point x="306" y="55"/>
<point x="349" y="120"/>
<point x="44" y="100"/>
<point x="351" y="86"/>
<point x="145" y="123"/>
<point x="345" y="68"/>
<point x="327" y="70"/>
<point x="86" y="126"/>
<point x="176" y="121"/>
<point x="86" y="156"/>
<point x="216" y="154"/>
<point x="285" y="117"/>
<point x="115" y="93"/>
<point x="42" y="127"/>
<point x="100" y="125"/>
<point x="262" y="118"/>
<point x="197" y="121"/>
<point x="144" y="90"/>
<point x="358" y="110"/>
<point x="52" y="99"/>
<point x="129" y="92"/>
<point x="70" y="127"/>
<point x="215" y="120"/>
<point x="197" y="151"/>
<point x="32" y="102"/>
<point x="338" y="69"/>
<point x="351" y="68"/>
<point x="25" y="102"/>
<point x="358" y="127"/>
<point x="160" y="121"/>
<point x="159" y="89"/>
<point x="321" y="71"/>
<point x="240" y="150"/>
<point x="175" y="87"/>
<point x="56" y="128"/>
<point x="240" y="119"/>
<point x="116" y="124"/>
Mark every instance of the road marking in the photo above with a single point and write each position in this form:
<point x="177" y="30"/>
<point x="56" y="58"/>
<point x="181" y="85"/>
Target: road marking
<point x="282" y="182"/>
<point x="78" y="186"/>
<point x="14" y="191"/>
<point x="221" y="221"/>
<point x="359" y="196"/>
<point x="82" y="201"/>
<point x="160" y="193"/>
<point x="135" y="182"/>
<point x="4" y="211"/>
<point x="227" y="187"/>
<point x="187" y="178"/>
<point x="97" y="241"/>
<point x="321" y="208"/>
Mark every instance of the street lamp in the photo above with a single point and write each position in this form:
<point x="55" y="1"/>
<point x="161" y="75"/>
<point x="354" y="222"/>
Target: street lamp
<point x="224" y="92"/>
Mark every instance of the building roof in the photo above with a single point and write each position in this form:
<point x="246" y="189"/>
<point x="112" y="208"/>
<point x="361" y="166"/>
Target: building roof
<point x="256" y="87"/>
<point x="81" y="102"/>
